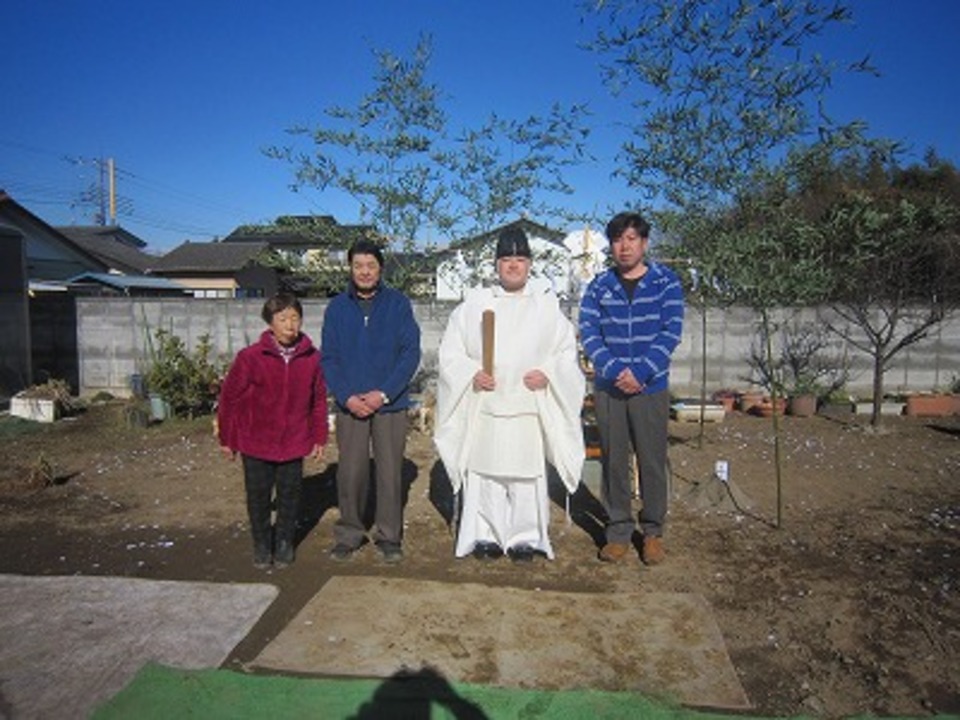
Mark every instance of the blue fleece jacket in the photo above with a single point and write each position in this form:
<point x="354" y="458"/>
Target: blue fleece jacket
<point x="378" y="352"/>
<point x="639" y="333"/>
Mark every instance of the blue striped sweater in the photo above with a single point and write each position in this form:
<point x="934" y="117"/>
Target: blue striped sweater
<point x="642" y="333"/>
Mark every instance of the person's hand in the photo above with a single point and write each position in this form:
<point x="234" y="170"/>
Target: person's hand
<point x="358" y="406"/>
<point x="484" y="382"/>
<point x="373" y="400"/>
<point x="627" y="383"/>
<point x="228" y="453"/>
<point x="535" y="380"/>
<point x="317" y="452"/>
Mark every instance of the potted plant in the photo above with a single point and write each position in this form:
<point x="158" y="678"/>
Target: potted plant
<point x="727" y="398"/>
<point x="766" y="407"/>
<point x="803" y="396"/>
<point x="747" y="399"/>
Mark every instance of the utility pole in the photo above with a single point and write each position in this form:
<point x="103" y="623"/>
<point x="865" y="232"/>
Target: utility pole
<point x="113" y="191"/>
<point x="103" y="193"/>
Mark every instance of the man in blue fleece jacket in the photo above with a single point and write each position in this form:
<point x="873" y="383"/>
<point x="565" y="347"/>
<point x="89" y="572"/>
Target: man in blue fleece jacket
<point x="371" y="350"/>
<point x="631" y="320"/>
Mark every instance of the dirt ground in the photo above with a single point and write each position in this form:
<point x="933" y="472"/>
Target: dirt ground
<point x="850" y="606"/>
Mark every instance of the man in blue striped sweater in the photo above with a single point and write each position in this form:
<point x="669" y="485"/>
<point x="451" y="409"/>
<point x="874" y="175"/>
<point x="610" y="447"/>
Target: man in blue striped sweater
<point x="631" y="320"/>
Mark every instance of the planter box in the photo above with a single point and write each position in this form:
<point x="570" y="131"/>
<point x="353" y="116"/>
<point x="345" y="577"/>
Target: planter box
<point x="690" y="412"/>
<point x="934" y="405"/>
<point x="886" y="408"/>
<point x="35" y="409"/>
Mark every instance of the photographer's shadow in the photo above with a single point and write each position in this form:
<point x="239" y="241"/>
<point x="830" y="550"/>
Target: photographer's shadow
<point x="410" y="694"/>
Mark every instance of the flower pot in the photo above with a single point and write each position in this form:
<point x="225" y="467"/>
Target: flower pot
<point x="727" y="399"/>
<point x="766" y="407"/>
<point x="747" y="400"/>
<point x="803" y="405"/>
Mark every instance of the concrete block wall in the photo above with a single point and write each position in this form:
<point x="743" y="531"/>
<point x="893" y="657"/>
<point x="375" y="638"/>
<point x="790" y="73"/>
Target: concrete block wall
<point x="112" y="339"/>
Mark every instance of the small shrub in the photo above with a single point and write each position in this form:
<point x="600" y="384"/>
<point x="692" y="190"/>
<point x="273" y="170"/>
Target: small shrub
<point x="188" y="381"/>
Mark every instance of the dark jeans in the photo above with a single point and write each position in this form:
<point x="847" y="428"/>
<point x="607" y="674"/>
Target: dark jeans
<point x="633" y="424"/>
<point x="260" y="478"/>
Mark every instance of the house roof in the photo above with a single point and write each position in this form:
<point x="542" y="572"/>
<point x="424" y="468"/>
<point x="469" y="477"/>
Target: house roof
<point x="116" y="247"/>
<point x="208" y="257"/>
<point x="125" y="283"/>
<point x="36" y="230"/>
<point x="301" y="231"/>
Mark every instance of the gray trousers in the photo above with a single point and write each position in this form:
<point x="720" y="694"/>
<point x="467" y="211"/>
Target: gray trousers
<point x="386" y="433"/>
<point x="633" y="424"/>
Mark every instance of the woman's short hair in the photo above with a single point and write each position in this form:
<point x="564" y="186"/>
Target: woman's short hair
<point x="279" y="303"/>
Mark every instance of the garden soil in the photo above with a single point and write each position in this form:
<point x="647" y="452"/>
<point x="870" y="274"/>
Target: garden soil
<point x="834" y="588"/>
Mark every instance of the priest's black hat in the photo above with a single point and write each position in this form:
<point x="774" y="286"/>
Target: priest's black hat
<point x="512" y="242"/>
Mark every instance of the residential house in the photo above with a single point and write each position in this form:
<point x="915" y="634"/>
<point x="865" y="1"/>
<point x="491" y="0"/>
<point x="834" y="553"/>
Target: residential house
<point x="311" y="249"/>
<point x="307" y="237"/>
<point x="49" y="254"/>
<point x="127" y="264"/>
<point x="38" y="314"/>
<point x="219" y="270"/>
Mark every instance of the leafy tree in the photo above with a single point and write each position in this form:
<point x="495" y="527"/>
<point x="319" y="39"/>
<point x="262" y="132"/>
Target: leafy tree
<point x="395" y="154"/>
<point x="719" y="88"/>
<point x="722" y="91"/>
<point x="897" y="254"/>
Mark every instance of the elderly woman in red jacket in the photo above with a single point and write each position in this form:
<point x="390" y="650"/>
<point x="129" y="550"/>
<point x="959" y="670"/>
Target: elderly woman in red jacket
<point x="273" y="411"/>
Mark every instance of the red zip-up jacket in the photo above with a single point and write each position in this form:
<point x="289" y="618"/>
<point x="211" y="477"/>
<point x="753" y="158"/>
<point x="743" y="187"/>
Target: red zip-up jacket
<point x="272" y="409"/>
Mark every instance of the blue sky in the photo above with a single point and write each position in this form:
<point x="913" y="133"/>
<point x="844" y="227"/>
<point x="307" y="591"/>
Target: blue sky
<point x="184" y="95"/>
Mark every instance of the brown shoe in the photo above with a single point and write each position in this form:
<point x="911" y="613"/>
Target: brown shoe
<point x="613" y="552"/>
<point x="653" y="552"/>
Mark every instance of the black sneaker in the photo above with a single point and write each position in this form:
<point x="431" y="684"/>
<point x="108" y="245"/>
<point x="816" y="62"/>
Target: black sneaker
<point x="521" y="553"/>
<point x="284" y="554"/>
<point x="390" y="551"/>
<point x="342" y="552"/>
<point x="485" y="550"/>
<point x="262" y="556"/>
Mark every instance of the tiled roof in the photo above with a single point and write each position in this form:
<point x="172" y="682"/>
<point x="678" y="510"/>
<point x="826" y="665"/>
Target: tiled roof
<point x="301" y="231"/>
<point x="208" y="257"/>
<point x="106" y="245"/>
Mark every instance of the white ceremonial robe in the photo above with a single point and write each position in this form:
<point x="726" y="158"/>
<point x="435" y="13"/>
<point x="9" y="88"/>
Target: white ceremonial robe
<point x="495" y="445"/>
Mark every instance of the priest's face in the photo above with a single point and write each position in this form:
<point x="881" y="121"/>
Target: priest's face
<point x="513" y="271"/>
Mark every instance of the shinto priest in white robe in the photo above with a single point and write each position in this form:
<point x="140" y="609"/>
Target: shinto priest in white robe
<point x="495" y="444"/>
